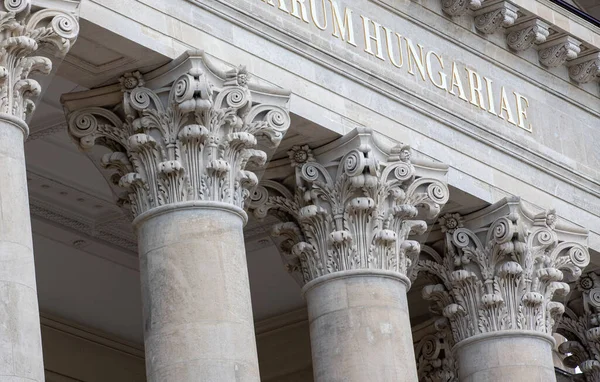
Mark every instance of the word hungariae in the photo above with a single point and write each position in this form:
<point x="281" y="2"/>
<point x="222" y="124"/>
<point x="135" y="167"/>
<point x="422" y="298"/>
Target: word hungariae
<point x="428" y="64"/>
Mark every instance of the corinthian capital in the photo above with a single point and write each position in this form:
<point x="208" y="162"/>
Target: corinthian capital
<point x="581" y="326"/>
<point x="23" y="33"/>
<point x="501" y="267"/>
<point x="186" y="132"/>
<point x="353" y="206"/>
<point x="435" y="360"/>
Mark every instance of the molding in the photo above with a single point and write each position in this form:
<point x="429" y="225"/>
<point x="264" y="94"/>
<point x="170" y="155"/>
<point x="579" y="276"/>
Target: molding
<point x="113" y="342"/>
<point x="92" y="68"/>
<point x="72" y="221"/>
<point x="71" y="6"/>
<point x="369" y="80"/>
<point x="47" y="131"/>
<point x="285" y="320"/>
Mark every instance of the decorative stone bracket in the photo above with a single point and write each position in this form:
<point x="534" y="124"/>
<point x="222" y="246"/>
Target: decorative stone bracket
<point x="524" y="35"/>
<point x="500" y="268"/>
<point x="525" y="30"/>
<point x="23" y="33"/>
<point x="352" y="205"/>
<point x="188" y="131"/>
<point x="585" y="68"/>
<point x="494" y="15"/>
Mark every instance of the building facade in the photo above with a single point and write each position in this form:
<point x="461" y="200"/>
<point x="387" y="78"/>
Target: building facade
<point x="299" y="190"/>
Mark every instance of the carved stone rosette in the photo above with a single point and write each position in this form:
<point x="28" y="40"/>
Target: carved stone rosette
<point x="502" y="269"/>
<point x="23" y="33"/>
<point x="582" y="329"/>
<point x="187" y="135"/>
<point x="435" y="360"/>
<point x="352" y="208"/>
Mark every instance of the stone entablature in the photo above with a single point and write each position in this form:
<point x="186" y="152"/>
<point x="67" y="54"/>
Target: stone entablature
<point x="499" y="269"/>
<point x="581" y="326"/>
<point x="23" y="33"/>
<point x="188" y="131"/>
<point x="354" y="204"/>
<point x="526" y="29"/>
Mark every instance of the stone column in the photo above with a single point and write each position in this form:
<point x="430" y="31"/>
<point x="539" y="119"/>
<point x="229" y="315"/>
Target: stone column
<point x="581" y="327"/>
<point x="499" y="269"/>
<point x="355" y="204"/>
<point x="22" y="33"/>
<point x="183" y="142"/>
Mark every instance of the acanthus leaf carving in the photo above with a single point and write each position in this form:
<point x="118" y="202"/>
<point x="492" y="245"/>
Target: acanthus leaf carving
<point x="24" y="32"/>
<point x="581" y="327"/>
<point x="502" y="275"/>
<point x="435" y="360"/>
<point x="351" y="212"/>
<point x="557" y="51"/>
<point x="585" y="68"/>
<point x="524" y="35"/>
<point x="459" y="7"/>
<point x="193" y="139"/>
<point x="490" y="18"/>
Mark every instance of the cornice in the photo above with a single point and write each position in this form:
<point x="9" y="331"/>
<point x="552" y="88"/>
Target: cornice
<point x="381" y="85"/>
<point x="558" y="37"/>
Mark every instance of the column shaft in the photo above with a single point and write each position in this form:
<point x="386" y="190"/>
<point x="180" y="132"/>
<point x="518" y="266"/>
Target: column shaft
<point x="360" y="328"/>
<point x="20" y="338"/>
<point x="198" y="322"/>
<point x="516" y="356"/>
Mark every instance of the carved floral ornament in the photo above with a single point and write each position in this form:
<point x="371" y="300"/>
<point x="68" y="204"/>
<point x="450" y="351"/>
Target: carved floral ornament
<point x="502" y="275"/>
<point x="582" y="329"/>
<point x="351" y="211"/>
<point x="190" y="139"/>
<point x="435" y="360"/>
<point x="22" y="33"/>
